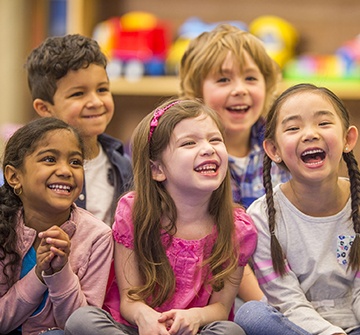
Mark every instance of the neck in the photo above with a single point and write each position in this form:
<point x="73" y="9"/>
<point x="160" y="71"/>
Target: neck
<point x="43" y="221"/>
<point x="238" y="143"/>
<point x="318" y="200"/>
<point x="92" y="148"/>
<point x="193" y="219"/>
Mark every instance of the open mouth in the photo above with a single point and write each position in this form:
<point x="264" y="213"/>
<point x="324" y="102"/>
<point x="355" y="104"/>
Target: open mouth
<point x="60" y="188"/>
<point x="207" y="168"/>
<point x="238" y="109"/>
<point x="313" y="156"/>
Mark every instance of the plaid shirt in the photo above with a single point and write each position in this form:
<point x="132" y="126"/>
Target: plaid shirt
<point x="247" y="185"/>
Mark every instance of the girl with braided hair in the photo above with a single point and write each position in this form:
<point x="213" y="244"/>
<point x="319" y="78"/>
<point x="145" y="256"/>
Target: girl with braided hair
<point x="307" y="259"/>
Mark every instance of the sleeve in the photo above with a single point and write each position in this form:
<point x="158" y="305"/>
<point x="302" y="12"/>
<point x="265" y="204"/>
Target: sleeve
<point x="123" y="228"/>
<point x="246" y="235"/>
<point x="20" y="301"/>
<point x="284" y="293"/>
<point x="68" y="291"/>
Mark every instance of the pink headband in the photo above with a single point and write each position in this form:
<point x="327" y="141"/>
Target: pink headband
<point x="157" y="114"/>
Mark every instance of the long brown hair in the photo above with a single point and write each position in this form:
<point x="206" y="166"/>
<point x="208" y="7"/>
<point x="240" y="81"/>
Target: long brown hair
<point x="153" y="203"/>
<point x="277" y="254"/>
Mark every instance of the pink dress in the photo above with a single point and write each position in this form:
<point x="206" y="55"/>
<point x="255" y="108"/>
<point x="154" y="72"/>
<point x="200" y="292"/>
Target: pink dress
<point x="185" y="257"/>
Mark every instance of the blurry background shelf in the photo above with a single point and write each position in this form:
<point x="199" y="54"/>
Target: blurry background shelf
<point x="169" y="85"/>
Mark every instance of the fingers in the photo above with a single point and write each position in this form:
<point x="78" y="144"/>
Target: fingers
<point x="57" y="238"/>
<point x="54" y="248"/>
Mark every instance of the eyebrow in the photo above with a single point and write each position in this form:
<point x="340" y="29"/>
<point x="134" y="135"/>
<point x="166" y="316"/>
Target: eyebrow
<point x="317" y="114"/>
<point x="57" y="152"/>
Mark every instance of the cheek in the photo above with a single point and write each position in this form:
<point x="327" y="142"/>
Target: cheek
<point x="212" y="97"/>
<point x="109" y="103"/>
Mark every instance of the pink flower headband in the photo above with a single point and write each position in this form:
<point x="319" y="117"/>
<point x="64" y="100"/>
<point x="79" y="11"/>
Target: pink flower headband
<point x="157" y="114"/>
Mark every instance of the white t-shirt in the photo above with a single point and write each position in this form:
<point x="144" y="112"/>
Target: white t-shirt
<point x="99" y="191"/>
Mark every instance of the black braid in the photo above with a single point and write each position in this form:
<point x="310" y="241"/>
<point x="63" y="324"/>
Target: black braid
<point x="277" y="254"/>
<point x="354" y="176"/>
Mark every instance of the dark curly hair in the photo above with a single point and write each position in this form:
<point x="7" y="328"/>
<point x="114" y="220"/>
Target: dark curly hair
<point x="55" y="57"/>
<point x="21" y="144"/>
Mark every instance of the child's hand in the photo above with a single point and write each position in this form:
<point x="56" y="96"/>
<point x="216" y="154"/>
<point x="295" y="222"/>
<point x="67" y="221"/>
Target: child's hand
<point x="57" y="242"/>
<point x="150" y="324"/>
<point x="43" y="259"/>
<point x="180" y="321"/>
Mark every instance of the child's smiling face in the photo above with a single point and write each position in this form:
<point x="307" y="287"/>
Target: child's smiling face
<point x="237" y="95"/>
<point x="52" y="176"/>
<point x="310" y="137"/>
<point x="195" y="161"/>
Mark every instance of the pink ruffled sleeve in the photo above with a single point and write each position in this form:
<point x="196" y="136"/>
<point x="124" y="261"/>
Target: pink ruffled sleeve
<point x="123" y="228"/>
<point x="246" y="235"/>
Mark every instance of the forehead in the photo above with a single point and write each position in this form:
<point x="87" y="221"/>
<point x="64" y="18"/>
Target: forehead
<point x="306" y="103"/>
<point x="83" y="76"/>
<point x="58" y="137"/>
<point x="195" y="125"/>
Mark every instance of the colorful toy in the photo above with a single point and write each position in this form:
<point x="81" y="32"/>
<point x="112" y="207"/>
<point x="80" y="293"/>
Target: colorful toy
<point x="344" y="64"/>
<point x="279" y="36"/>
<point x="137" y="43"/>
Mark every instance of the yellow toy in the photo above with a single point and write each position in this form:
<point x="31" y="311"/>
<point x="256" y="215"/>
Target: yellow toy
<point x="279" y="36"/>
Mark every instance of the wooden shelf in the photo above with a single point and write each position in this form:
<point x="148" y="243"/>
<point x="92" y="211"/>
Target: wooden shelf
<point x="169" y="86"/>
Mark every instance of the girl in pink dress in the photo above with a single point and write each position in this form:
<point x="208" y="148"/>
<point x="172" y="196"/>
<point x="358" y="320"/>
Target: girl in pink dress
<point x="181" y="243"/>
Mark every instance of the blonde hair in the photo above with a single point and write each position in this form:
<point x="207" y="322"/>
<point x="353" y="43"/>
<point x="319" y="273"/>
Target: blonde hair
<point x="207" y="52"/>
<point x="153" y="203"/>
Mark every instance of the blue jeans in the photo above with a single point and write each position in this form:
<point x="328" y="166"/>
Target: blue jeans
<point x="54" y="332"/>
<point x="259" y="318"/>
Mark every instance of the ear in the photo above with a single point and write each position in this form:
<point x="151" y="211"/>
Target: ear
<point x="351" y="138"/>
<point x="42" y="107"/>
<point x="272" y="151"/>
<point x="12" y="176"/>
<point x="157" y="171"/>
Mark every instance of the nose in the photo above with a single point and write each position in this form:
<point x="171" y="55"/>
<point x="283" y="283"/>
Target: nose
<point x="310" y="134"/>
<point x="94" y="101"/>
<point x="207" y="149"/>
<point x="239" y="88"/>
<point x="63" y="170"/>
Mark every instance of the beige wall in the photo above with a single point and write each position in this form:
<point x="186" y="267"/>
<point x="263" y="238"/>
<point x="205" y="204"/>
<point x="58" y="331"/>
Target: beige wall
<point x="13" y="94"/>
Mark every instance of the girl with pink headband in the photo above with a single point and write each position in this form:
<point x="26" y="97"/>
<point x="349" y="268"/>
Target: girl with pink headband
<point x="181" y="244"/>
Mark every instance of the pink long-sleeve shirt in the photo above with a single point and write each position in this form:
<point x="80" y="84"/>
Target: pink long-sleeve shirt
<point x="81" y="282"/>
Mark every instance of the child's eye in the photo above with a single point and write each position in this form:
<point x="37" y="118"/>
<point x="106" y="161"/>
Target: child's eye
<point x="49" y="159"/>
<point x="251" y="78"/>
<point x="223" y="80"/>
<point x="77" y="162"/>
<point x="103" y="89"/>
<point x="187" y="143"/>
<point x="324" y="123"/>
<point x="293" y="128"/>
<point x="216" y="140"/>
<point x="77" y="94"/>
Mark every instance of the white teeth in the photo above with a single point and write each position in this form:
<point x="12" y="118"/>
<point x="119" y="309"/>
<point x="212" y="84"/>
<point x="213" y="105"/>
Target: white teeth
<point x="206" y="167"/>
<point x="239" y="108"/>
<point x="311" y="152"/>
<point x="60" y="187"/>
